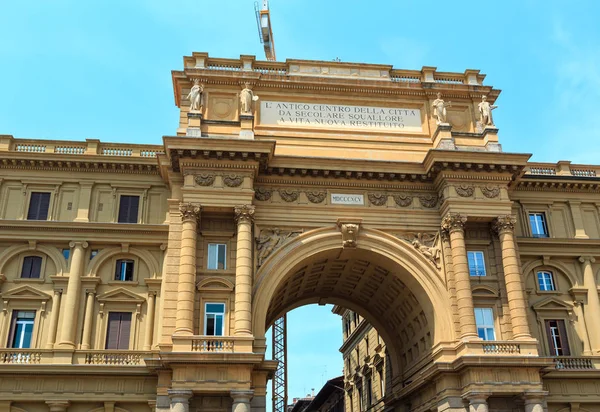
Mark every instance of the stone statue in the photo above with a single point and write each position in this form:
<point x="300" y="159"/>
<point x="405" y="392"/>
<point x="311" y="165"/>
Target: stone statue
<point x="246" y="98"/>
<point x="439" y="109"/>
<point x="485" y="110"/>
<point x="196" y="96"/>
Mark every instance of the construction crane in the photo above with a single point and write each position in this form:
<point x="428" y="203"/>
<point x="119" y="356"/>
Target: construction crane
<point x="265" y="31"/>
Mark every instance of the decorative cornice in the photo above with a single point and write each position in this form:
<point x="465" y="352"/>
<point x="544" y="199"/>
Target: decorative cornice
<point x="454" y="222"/>
<point x="244" y="213"/>
<point x="504" y="224"/>
<point x="189" y="212"/>
<point x="81" y="165"/>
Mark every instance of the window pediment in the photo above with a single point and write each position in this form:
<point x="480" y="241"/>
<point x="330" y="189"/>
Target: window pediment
<point x="215" y="284"/>
<point x="552" y="304"/>
<point x="25" y="292"/>
<point x="120" y="295"/>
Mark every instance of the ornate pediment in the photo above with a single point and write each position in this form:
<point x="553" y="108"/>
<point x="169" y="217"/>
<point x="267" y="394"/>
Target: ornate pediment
<point x="120" y="295"/>
<point x="25" y="292"/>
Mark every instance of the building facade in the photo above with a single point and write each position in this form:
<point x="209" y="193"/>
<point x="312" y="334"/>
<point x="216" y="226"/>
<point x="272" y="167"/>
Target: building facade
<point x="143" y="277"/>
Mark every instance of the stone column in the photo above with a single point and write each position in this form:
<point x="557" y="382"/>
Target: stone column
<point x="149" y="322"/>
<point x="451" y="404"/>
<point x="505" y="227"/>
<point x="581" y="326"/>
<point x="244" y="216"/>
<point x="592" y="312"/>
<point x="241" y="401"/>
<point x="180" y="399"/>
<point x="54" y="318"/>
<point x="534" y="402"/>
<point x="88" y="320"/>
<point x="478" y="401"/>
<point x="71" y="310"/>
<point x="186" y="288"/>
<point x="454" y="224"/>
<point x="57" y="406"/>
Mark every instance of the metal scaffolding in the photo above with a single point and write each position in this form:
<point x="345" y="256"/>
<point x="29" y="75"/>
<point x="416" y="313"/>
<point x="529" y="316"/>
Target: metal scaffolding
<point x="280" y="355"/>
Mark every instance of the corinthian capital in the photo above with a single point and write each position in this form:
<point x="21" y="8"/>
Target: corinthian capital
<point x="189" y="211"/>
<point x="504" y="223"/>
<point x="244" y="213"/>
<point x="453" y="222"/>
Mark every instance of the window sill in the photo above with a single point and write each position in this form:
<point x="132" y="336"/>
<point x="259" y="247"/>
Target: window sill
<point x="548" y="292"/>
<point x="122" y="282"/>
<point x="30" y="280"/>
<point x="208" y="272"/>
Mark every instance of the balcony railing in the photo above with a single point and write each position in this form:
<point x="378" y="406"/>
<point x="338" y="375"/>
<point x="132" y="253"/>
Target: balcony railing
<point x="212" y="344"/>
<point x="501" y="348"/>
<point x="21" y="356"/>
<point x="79" y="357"/>
<point x="561" y="169"/>
<point x="571" y="363"/>
<point x="119" y="358"/>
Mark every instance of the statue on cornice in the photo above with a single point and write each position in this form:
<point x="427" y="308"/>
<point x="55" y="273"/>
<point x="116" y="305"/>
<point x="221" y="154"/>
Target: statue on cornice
<point x="485" y="110"/>
<point x="196" y="96"/>
<point x="439" y="109"/>
<point x="247" y="97"/>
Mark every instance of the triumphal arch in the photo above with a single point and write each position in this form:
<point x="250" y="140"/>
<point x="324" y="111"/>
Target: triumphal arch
<point x="144" y="277"/>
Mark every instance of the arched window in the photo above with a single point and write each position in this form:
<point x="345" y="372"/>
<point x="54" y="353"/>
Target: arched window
<point x="546" y="281"/>
<point x="32" y="267"/>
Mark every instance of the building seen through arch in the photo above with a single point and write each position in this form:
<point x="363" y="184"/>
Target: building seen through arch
<point x="144" y="277"/>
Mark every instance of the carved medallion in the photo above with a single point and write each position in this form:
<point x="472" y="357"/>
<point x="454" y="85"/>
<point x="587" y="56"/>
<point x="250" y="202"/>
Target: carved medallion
<point x="233" y="180"/>
<point x="377" y="199"/>
<point x="315" y="196"/>
<point x="289" y="195"/>
<point x="428" y="201"/>
<point x="403" y="200"/>
<point x="490" y="191"/>
<point x="262" y="194"/>
<point x="204" y="179"/>
<point x="465" y="190"/>
<point x="270" y="240"/>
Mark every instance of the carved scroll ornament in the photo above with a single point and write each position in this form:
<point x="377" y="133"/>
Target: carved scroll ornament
<point x="189" y="211"/>
<point x="244" y="213"/>
<point x="454" y="222"/>
<point x="504" y="223"/>
<point x="204" y="179"/>
<point x="263" y="194"/>
<point x="403" y="200"/>
<point x="465" y="190"/>
<point x="289" y="195"/>
<point x="233" y="180"/>
<point x="490" y="191"/>
<point x="428" y="201"/>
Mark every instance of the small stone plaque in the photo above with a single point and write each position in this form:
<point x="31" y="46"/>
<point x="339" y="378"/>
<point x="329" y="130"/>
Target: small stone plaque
<point x="347" y="199"/>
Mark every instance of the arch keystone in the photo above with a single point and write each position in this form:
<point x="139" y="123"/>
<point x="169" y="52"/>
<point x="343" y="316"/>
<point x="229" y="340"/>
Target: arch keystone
<point x="349" y="228"/>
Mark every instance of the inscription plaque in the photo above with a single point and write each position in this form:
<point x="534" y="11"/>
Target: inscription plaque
<point x="347" y="199"/>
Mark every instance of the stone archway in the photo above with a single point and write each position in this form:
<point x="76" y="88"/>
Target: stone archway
<point x="384" y="279"/>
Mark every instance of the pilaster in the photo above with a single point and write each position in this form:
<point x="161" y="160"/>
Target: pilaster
<point x="592" y="314"/>
<point x="244" y="216"/>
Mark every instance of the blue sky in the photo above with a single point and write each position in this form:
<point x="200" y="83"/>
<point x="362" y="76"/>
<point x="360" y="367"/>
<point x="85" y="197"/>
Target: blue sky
<point x="101" y="69"/>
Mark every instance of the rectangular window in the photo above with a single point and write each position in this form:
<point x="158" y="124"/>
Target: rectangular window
<point x="217" y="253"/>
<point x="557" y="338"/>
<point x="484" y="318"/>
<point x="546" y="281"/>
<point x="128" y="209"/>
<point x="39" y="203"/>
<point x="119" y="328"/>
<point x="124" y="270"/>
<point x="66" y="253"/>
<point x="347" y="326"/>
<point x="21" y="329"/>
<point x="32" y="267"/>
<point x="369" y="393"/>
<point x="361" y="401"/>
<point x="381" y="383"/>
<point x="93" y="253"/>
<point x="351" y="402"/>
<point x="214" y="319"/>
<point x="538" y="225"/>
<point x="476" y="263"/>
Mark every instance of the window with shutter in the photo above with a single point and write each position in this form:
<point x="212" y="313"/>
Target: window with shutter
<point x="124" y="270"/>
<point x="119" y="328"/>
<point x="21" y="329"/>
<point x="556" y="333"/>
<point x="128" y="209"/>
<point x="32" y="267"/>
<point x="39" y="203"/>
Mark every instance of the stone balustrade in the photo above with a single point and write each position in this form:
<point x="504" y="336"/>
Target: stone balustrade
<point x="89" y="147"/>
<point x="21" y="356"/>
<point x="525" y="348"/>
<point x="572" y="363"/>
<point x="562" y="168"/>
<point x="80" y="357"/>
<point x="120" y="358"/>
<point x="212" y="344"/>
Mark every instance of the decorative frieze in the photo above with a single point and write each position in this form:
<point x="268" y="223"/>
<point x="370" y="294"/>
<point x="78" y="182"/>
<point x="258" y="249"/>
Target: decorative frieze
<point x="233" y="180"/>
<point x="403" y="199"/>
<point x="465" y="190"/>
<point x="316" y="196"/>
<point x="377" y="199"/>
<point x="204" y="179"/>
<point x="270" y="240"/>
<point x="262" y="194"/>
<point x="289" y="195"/>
